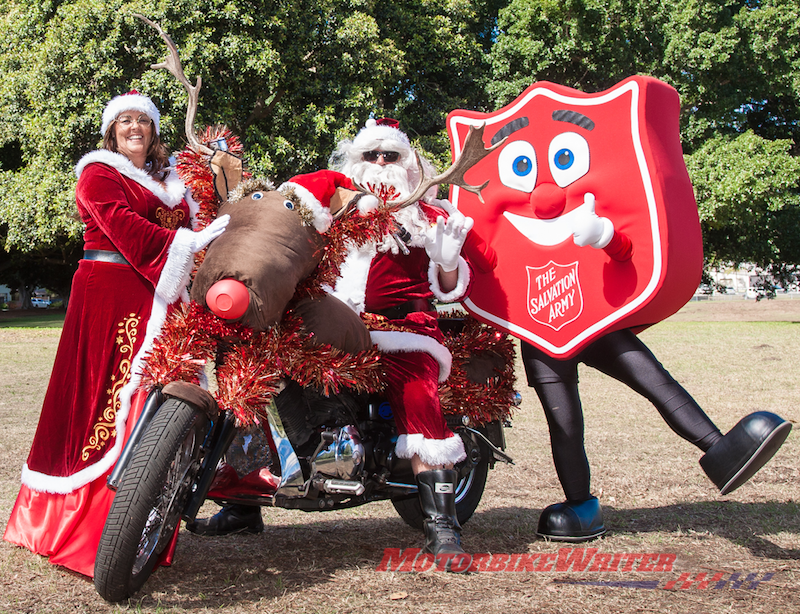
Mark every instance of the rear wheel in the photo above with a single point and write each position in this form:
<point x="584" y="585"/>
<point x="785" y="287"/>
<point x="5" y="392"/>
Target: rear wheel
<point x="469" y="489"/>
<point x="147" y="507"/>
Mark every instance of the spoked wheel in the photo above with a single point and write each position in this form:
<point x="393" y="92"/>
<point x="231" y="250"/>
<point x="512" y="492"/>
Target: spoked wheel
<point x="147" y="507"/>
<point x="469" y="489"/>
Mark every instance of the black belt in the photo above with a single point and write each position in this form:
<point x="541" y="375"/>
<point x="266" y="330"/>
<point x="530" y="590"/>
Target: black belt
<point x="398" y="312"/>
<point x="105" y="256"/>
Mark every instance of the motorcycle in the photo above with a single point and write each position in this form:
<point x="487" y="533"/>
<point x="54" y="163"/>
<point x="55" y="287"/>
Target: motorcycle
<point x="327" y="452"/>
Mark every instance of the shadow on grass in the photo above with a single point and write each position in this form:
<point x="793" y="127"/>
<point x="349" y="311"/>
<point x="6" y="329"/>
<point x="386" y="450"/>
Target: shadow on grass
<point x="741" y="523"/>
<point x="32" y="318"/>
<point x="218" y="571"/>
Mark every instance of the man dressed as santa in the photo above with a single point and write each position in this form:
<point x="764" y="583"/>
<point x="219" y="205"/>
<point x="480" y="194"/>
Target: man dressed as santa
<point x="396" y="280"/>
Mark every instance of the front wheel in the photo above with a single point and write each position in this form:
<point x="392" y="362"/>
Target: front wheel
<point x="469" y="489"/>
<point x="147" y="507"/>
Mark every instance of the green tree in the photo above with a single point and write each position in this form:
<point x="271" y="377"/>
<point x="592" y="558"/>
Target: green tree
<point x="291" y="78"/>
<point x="765" y="229"/>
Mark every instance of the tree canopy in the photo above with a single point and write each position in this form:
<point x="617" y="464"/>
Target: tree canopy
<point x="293" y="78"/>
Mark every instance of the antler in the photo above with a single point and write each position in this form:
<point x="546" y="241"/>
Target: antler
<point x="473" y="152"/>
<point x="172" y="63"/>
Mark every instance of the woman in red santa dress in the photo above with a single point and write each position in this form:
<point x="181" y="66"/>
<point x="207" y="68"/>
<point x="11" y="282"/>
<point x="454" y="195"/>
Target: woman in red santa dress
<point x="138" y="255"/>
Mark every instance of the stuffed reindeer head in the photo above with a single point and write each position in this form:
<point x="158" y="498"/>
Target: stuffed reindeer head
<point x="273" y="241"/>
<point x="270" y="245"/>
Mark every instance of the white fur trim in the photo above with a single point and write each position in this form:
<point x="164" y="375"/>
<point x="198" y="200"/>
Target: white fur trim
<point x="130" y="102"/>
<point x="180" y="260"/>
<point x="431" y="451"/>
<point x="322" y="214"/>
<point x="351" y="286"/>
<point x="385" y="138"/>
<point x="462" y="284"/>
<point x="398" y="341"/>
<point x="66" y="484"/>
<point x="367" y="204"/>
<point x="171" y="193"/>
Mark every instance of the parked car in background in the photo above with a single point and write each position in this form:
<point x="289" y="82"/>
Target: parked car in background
<point x="40" y="303"/>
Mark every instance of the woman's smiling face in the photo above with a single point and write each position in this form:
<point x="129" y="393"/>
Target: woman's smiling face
<point x="134" y="132"/>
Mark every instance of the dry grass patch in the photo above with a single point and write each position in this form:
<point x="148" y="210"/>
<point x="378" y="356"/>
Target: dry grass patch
<point x="655" y="496"/>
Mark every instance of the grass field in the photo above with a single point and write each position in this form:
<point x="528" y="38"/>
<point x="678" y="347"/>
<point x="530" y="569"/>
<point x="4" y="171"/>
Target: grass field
<point x="734" y="357"/>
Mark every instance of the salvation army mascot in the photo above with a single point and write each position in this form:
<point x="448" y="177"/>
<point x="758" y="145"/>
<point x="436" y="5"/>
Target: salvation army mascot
<point x="592" y="215"/>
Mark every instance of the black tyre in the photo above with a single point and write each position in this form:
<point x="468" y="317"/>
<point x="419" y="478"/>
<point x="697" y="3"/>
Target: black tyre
<point x="469" y="490"/>
<point x="148" y="504"/>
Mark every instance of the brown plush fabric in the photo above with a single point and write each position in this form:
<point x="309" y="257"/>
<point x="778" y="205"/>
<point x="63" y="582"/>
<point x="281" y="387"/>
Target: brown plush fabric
<point x="193" y="394"/>
<point x="268" y="249"/>
<point x="333" y="323"/>
<point x="227" y="170"/>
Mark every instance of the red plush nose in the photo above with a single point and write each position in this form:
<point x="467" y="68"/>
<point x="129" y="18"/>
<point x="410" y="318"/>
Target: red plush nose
<point x="228" y="299"/>
<point x="548" y="201"/>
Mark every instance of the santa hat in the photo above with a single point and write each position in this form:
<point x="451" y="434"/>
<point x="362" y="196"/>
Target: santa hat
<point x="132" y="101"/>
<point x="382" y="134"/>
<point x="313" y="192"/>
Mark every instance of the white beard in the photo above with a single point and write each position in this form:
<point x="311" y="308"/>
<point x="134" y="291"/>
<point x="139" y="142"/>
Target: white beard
<point x="394" y="175"/>
<point x="411" y="218"/>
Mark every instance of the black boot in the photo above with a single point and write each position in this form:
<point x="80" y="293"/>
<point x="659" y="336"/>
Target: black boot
<point x="230" y="519"/>
<point x="746" y="448"/>
<point x="572" y="521"/>
<point x="437" y="496"/>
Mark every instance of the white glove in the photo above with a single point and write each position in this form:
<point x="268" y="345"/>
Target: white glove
<point x="203" y="237"/>
<point x="589" y="228"/>
<point x="444" y="240"/>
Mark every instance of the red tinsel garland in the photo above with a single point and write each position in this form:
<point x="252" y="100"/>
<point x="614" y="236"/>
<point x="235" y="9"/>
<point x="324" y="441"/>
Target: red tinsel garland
<point x="481" y="401"/>
<point x="250" y="366"/>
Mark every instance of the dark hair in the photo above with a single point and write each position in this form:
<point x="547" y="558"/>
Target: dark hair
<point x="157" y="159"/>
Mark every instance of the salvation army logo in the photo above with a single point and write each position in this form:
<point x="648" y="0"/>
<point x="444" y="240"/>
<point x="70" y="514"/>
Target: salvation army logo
<point x="554" y="294"/>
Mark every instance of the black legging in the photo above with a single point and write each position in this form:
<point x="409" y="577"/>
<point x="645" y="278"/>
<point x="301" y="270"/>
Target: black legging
<point x="624" y="357"/>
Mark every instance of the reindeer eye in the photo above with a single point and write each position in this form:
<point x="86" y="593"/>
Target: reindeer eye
<point x="289" y="205"/>
<point x="257" y="195"/>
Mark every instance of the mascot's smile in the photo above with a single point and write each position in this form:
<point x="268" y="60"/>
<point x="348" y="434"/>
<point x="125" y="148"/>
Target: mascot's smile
<point x="549" y="232"/>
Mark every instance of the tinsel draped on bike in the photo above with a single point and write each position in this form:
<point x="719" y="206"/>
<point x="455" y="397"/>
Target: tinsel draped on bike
<point x="251" y="365"/>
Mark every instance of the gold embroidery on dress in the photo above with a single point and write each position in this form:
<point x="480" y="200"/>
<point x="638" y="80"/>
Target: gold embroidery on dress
<point x="107" y="423"/>
<point x="170" y="218"/>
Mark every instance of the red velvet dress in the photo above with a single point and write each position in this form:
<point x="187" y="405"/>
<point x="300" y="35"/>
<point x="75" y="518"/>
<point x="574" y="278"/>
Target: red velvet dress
<point x="115" y="311"/>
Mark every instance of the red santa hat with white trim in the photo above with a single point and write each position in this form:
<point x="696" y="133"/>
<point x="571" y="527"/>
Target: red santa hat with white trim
<point x="314" y="192"/>
<point x="132" y="101"/>
<point x="382" y="134"/>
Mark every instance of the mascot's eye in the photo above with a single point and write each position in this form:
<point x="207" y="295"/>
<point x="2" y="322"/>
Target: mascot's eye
<point x="569" y="158"/>
<point x="289" y="205"/>
<point x="257" y="195"/>
<point x="516" y="165"/>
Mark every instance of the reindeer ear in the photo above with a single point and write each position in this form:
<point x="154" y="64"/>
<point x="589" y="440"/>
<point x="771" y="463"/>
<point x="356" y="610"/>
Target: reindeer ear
<point x="340" y="199"/>
<point x="227" y="170"/>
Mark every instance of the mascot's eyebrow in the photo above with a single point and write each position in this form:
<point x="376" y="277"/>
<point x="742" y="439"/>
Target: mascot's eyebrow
<point x="512" y="126"/>
<point x="573" y="117"/>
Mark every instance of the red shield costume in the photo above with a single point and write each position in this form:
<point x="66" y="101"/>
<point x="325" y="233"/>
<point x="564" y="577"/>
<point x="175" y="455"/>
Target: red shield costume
<point x="611" y="159"/>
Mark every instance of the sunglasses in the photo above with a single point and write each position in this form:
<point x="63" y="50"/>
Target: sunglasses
<point x="388" y="156"/>
<point x="127" y="120"/>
